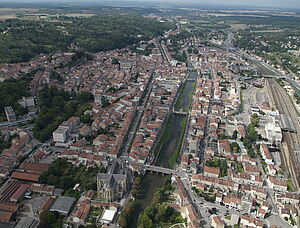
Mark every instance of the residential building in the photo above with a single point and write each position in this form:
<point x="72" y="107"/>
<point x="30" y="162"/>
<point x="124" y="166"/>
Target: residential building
<point x="10" y="114"/>
<point x="61" y="134"/>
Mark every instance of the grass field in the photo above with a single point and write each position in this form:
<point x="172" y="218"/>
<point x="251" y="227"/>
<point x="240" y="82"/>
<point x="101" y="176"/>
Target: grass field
<point x="238" y="26"/>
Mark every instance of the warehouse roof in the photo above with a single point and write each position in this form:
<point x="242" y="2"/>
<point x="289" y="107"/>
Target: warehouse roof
<point x="25" y="176"/>
<point x="26" y="222"/>
<point x="63" y="204"/>
<point x="286" y="123"/>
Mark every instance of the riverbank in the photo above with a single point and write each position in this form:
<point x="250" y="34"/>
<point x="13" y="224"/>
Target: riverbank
<point x="168" y="148"/>
<point x="150" y="183"/>
<point x="174" y="157"/>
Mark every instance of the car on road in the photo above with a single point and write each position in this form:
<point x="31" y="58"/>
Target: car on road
<point x="214" y="210"/>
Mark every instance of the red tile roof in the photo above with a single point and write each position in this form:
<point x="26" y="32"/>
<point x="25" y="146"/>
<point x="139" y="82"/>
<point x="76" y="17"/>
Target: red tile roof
<point x="25" y="176"/>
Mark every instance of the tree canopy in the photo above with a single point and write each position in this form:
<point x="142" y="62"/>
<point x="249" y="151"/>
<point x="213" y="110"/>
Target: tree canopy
<point x="21" y="40"/>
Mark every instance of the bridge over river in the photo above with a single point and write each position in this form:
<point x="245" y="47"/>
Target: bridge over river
<point x="158" y="169"/>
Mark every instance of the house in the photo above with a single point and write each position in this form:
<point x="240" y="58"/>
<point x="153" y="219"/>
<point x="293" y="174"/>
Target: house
<point x="211" y="172"/>
<point x="261" y="212"/>
<point x="219" y="198"/>
<point x="217" y="222"/>
<point x="271" y="169"/>
<point x="277" y="184"/>
<point x="82" y="210"/>
<point x="231" y="220"/>
<point x="266" y="154"/>
<point x="247" y="221"/>
<point x="224" y="147"/>
<point x="72" y="122"/>
<point x="193" y="218"/>
<point x="86" y="130"/>
<point x="225" y="185"/>
<point x="287" y="198"/>
<point x="233" y="201"/>
<point x="258" y="193"/>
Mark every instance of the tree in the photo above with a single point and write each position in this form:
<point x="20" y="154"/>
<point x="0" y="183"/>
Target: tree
<point x="235" y="134"/>
<point x="50" y="219"/>
<point x="219" y="163"/>
<point x="161" y="213"/>
<point x="158" y="196"/>
<point x="83" y="97"/>
<point x="86" y="118"/>
<point x="145" y="221"/>
<point x="122" y="222"/>
<point x="235" y="148"/>
<point x="56" y="76"/>
<point x="126" y="214"/>
<point x="115" y="61"/>
<point x="254" y="120"/>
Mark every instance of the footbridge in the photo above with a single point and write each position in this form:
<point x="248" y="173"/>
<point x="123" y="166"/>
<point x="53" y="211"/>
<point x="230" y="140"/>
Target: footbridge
<point x="190" y="79"/>
<point x="180" y="112"/>
<point x="158" y="169"/>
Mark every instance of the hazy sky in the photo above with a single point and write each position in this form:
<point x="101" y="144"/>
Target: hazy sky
<point x="264" y="3"/>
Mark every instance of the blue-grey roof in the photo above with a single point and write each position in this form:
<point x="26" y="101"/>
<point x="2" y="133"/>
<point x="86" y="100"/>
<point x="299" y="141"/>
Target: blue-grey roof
<point x="286" y="123"/>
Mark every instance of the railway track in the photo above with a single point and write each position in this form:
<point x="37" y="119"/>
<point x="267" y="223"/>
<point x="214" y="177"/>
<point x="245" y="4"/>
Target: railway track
<point x="292" y="140"/>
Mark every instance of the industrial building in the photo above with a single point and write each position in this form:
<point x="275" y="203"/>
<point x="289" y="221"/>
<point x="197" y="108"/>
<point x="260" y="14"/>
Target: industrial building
<point x="63" y="205"/>
<point x="27" y="222"/>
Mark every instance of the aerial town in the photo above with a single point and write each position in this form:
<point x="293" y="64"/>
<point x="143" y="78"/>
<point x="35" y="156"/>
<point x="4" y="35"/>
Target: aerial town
<point x="212" y="141"/>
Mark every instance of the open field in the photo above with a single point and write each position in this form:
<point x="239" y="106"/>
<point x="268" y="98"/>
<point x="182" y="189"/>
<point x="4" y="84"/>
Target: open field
<point x="235" y="15"/>
<point x="8" y="16"/>
<point x="238" y="26"/>
<point x="271" y="30"/>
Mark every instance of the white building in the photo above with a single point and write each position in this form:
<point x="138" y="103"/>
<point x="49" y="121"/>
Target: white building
<point x="61" y="134"/>
<point x="108" y="216"/>
<point x="266" y="154"/>
<point x="273" y="132"/>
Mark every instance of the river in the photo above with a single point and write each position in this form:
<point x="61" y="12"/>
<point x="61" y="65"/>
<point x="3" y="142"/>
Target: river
<point x="169" y="151"/>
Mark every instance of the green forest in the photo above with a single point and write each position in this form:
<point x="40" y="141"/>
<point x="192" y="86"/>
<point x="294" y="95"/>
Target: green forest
<point x="57" y="106"/>
<point x="21" y="40"/>
<point x="7" y="98"/>
<point x="65" y="175"/>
